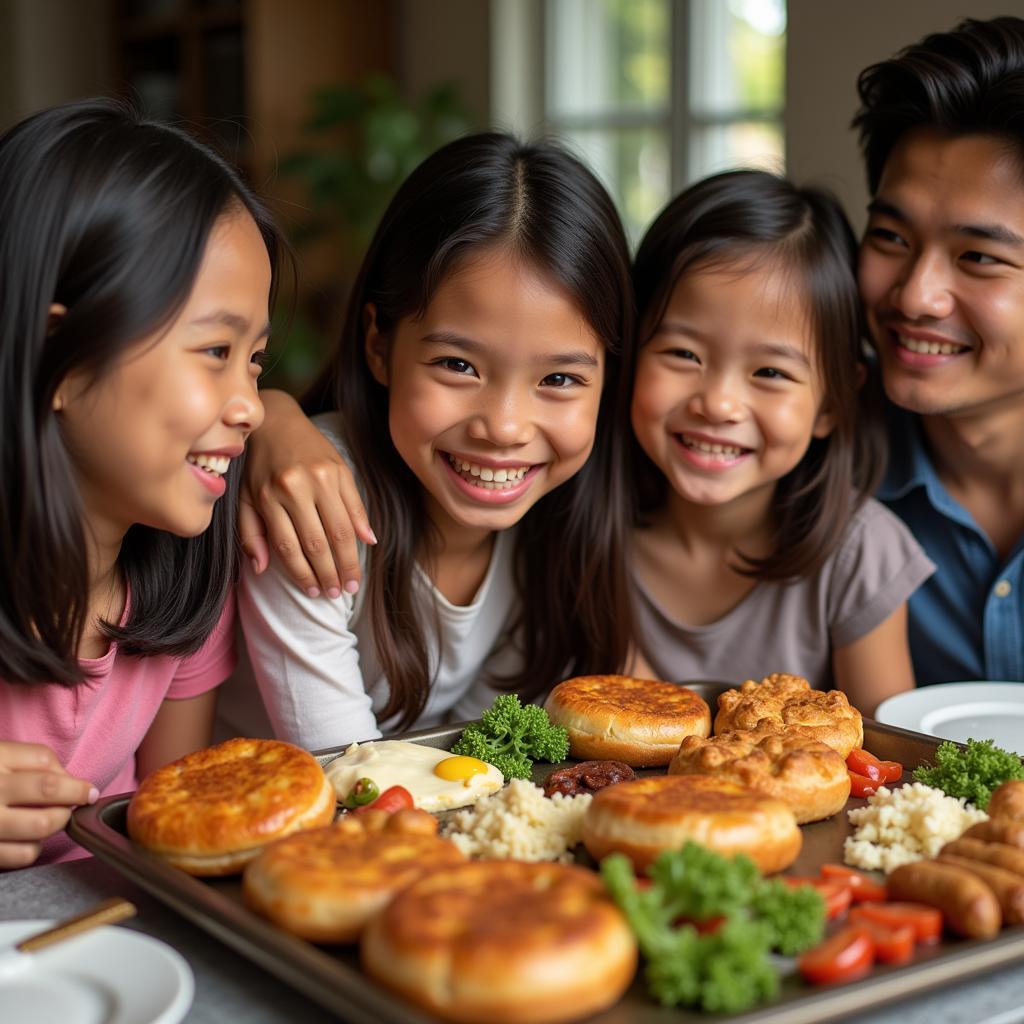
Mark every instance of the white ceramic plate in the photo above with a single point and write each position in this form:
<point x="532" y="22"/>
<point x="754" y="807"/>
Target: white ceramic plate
<point x="961" y="711"/>
<point x="106" y="976"/>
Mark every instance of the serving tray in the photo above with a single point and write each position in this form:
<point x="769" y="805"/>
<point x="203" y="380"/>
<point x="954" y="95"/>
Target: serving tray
<point x="331" y="975"/>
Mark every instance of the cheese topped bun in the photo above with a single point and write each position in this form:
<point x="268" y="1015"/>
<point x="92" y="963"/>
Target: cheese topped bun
<point x="806" y="775"/>
<point x="504" y="942"/>
<point x="781" y="701"/>
<point x="326" y="883"/>
<point x="212" y="811"/>
<point x="436" y="779"/>
<point x="640" y="722"/>
<point x="661" y="812"/>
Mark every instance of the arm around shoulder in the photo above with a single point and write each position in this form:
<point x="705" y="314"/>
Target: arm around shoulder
<point x="299" y="500"/>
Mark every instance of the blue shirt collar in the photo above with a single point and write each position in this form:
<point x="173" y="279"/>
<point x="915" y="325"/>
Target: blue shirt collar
<point x="910" y="468"/>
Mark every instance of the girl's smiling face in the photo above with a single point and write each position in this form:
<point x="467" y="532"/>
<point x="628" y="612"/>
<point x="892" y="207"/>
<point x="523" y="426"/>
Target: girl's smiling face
<point x="493" y="394"/>
<point x="727" y="395"/>
<point x="152" y="437"/>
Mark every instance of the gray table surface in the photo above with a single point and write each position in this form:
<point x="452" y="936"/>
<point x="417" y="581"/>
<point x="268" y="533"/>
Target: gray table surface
<point x="231" y="988"/>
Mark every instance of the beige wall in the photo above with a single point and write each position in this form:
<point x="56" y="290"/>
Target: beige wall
<point x="446" y="41"/>
<point x="828" y="43"/>
<point x="51" y="51"/>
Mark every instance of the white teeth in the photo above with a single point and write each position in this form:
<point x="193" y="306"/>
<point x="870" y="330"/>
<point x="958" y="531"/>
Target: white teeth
<point x="486" y="477"/>
<point x="930" y="348"/>
<point x="727" y="450"/>
<point x="214" y="464"/>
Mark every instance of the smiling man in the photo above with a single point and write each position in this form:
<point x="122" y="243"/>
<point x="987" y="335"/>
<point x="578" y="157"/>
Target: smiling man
<point x="942" y="276"/>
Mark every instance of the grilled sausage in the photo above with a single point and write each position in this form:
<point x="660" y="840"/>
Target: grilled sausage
<point x="1007" y="857"/>
<point x="968" y="905"/>
<point x="1008" y="800"/>
<point x="1008" y="887"/>
<point x="999" y="830"/>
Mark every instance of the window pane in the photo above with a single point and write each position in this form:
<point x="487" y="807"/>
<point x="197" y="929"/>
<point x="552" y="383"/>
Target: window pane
<point x="739" y="63"/>
<point x="607" y="55"/>
<point x="744" y="144"/>
<point x="634" y="166"/>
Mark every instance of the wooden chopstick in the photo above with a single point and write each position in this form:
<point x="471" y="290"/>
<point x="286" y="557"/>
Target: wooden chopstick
<point x="108" y="912"/>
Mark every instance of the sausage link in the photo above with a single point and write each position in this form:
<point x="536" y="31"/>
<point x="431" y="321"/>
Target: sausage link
<point x="999" y="830"/>
<point x="1008" y="800"/>
<point x="1007" y="857"/>
<point x="1008" y="887"/>
<point x="968" y="905"/>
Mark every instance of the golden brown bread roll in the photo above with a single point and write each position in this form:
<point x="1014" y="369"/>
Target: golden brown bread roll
<point x="640" y="722"/>
<point x="325" y="884"/>
<point x="661" y="812"/>
<point x="782" y="701"/>
<point x="504" y="942"/>
<point x="212" y="811"/>
<point x="806" y="775"/>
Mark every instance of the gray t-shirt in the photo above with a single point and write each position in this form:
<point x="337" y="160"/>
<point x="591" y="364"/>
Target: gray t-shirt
<point x="793" y="627"/>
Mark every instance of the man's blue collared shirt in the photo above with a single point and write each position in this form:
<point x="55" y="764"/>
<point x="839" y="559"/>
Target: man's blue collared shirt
<point x="967" y="620"/>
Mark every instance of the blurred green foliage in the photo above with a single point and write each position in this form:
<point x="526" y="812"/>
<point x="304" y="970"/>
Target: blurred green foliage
<point x="374" y="137"/>
<point x="364" y="139"/>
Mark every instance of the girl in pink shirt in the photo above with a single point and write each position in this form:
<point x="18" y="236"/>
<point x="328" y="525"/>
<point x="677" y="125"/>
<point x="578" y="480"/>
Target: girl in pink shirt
<point x="136" y="273"/>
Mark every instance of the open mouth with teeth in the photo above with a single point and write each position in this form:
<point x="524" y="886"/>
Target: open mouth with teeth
<point x="931" y="348"/>
<point x="485" y="477"/>
<point x="724" y="452"/>
<point x="215" y="465"/>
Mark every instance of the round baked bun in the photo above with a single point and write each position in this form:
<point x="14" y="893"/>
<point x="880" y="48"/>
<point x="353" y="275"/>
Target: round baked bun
<point x="640" y="722"/>
<point x="782" y="701"/>
<point x="324" y="884"/>
<point x="212" y="811"/>
<point x="661" y="812"/>
<point x="504" y="942"/>
<point x="805" y="774"/>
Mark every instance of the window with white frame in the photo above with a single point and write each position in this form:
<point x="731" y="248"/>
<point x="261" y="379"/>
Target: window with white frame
<point x="654" y="94"/>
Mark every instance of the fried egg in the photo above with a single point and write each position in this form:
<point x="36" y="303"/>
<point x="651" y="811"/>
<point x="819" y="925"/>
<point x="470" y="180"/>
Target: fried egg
<point x="437" y="780"/>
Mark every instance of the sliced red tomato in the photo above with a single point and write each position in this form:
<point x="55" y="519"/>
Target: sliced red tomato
<point x="865" y="763"/>
<point x="845" y="956"/>
<point x="892" y="945"/>
<point x="394" y="798"/>
<point x="863" y="888"/>
<point x="925" y="921"/>
<point x="861" y="785"/>
<point x="836" y="894"/>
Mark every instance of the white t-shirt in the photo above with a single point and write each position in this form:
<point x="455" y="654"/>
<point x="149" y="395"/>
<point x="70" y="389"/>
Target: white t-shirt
<point x="314" y="659"/>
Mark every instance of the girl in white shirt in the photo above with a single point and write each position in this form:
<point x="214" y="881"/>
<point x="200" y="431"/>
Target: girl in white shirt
<point x="477" y="395"/>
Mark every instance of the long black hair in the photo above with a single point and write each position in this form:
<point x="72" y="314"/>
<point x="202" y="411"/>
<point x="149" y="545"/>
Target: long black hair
<point x="746" y="218"/>
<point x="106" y="214"/>
<point x="545" y="207"/>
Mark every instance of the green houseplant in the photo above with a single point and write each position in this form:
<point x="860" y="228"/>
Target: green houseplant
<point x="364" y="139"/>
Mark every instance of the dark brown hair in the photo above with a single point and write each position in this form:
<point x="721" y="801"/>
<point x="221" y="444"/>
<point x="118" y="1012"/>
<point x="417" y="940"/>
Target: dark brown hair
<point x="108" y="214"/>
<point x="968" y="81"/>
<point x="744" y="218"/>
<point x="544" y="206"/>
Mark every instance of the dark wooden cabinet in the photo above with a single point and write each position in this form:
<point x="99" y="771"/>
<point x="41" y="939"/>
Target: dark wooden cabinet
<point x="186" y="60"/>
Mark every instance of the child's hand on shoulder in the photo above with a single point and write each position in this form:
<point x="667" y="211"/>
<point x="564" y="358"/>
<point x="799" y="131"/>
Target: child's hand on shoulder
<point x="37" y="796"/>
<point x="299" y="498"/>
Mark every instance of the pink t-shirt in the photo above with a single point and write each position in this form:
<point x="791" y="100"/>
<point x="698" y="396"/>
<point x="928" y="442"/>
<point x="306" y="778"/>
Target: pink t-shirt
<point x="95" y="727"/>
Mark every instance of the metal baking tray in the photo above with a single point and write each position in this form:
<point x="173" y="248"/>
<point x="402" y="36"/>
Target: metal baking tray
<point x="331" y="976"/>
